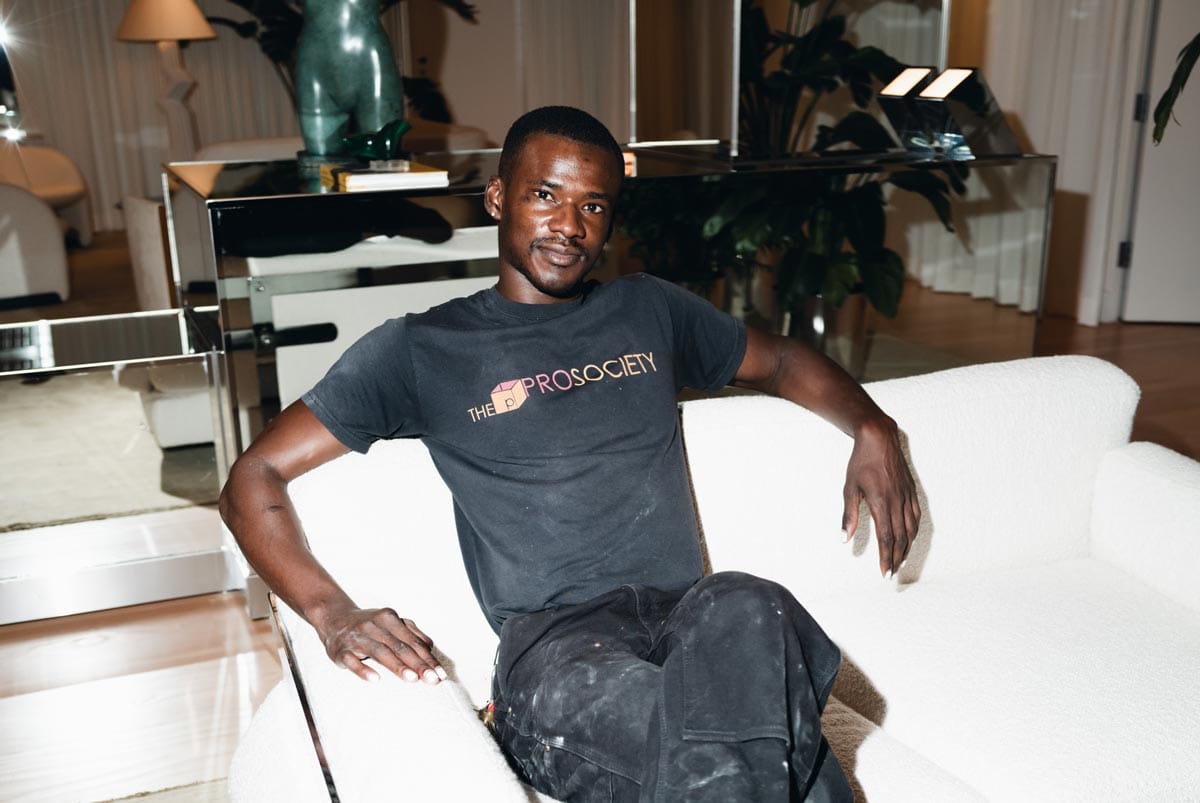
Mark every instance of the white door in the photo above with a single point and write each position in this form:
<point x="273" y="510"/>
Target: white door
<point x="1164" y="271"/>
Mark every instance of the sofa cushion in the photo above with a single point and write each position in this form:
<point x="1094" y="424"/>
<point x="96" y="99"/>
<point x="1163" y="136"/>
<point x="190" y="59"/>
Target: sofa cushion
<point x="1068" y="681"/>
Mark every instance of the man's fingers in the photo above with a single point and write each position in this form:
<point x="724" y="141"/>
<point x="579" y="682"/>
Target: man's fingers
<point x="849" y="511"/>
<point x="884" y="534"/>
<point x="912" y="520"/>
<point x="412" y="626"/>
<point x="415" y="656"/>
<point x="351" y="662"/>
<point x="382" y="636"/>
<point x="902" y="536"/>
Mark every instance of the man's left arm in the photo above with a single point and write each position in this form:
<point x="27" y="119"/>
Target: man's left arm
<point x="877" y="471"/>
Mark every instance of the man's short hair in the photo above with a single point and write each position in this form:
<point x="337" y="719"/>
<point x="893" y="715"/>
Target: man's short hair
<point x="562" y="121"/>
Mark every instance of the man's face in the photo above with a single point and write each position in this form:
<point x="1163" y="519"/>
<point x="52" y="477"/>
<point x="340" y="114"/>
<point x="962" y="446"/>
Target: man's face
<point x="555" y="214"/>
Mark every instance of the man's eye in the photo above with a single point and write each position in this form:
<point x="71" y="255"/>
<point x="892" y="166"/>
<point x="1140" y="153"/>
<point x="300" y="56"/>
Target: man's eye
<point x="542" y="195"/>
<point x="597" y="209"/>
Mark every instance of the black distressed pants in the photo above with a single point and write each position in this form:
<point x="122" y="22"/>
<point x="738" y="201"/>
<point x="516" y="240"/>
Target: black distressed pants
<point x="710" y="694"/>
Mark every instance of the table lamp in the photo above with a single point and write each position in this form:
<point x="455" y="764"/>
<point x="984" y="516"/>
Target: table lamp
<point x="167" y="22"/>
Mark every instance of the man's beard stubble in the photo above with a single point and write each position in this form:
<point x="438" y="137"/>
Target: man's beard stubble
<point x="521" y="264"/>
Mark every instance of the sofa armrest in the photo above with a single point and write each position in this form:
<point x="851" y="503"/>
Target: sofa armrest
<point x="377" y="737"/>
<point x="1146" y="518"/>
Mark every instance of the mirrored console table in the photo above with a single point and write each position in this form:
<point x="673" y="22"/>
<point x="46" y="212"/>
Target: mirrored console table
<point x="297" y="273"/>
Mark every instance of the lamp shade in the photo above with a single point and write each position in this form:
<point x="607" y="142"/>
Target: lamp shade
<point x="163" y="20"/>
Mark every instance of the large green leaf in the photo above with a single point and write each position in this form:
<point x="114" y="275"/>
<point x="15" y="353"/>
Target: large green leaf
<point x="841" y="278"/>
<point x="876" y="62"/>
<point x="738" y="200"/>
<point x="751" y="230"/>
<point x="858" y="128"/>
<point x="814" y="44"/>
<point x="931" y="188"/>
<point x="1183" y="68"/>
<point x="883" y="281"/>
<point x="862" y="209"/>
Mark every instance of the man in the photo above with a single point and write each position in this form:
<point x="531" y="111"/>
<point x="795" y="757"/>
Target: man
<point x="548" y="406"/>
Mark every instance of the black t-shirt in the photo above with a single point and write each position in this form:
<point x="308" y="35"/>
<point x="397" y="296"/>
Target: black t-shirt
<point x="554" y="426"/>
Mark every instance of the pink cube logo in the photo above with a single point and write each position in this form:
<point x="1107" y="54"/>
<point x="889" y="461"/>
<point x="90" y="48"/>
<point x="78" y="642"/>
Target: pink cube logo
<point x="508" y="396"/>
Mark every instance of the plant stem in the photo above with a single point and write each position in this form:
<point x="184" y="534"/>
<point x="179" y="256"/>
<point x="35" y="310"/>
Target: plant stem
<point x="804" y="121"/>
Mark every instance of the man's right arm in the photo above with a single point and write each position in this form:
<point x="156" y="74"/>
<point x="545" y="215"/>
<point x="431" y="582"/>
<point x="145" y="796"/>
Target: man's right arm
<point x="256" y="507"/>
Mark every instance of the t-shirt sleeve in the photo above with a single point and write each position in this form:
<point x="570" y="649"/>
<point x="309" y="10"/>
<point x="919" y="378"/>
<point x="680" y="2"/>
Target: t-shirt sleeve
<point x="709" y="344"/>
<point x="368" y="394"/>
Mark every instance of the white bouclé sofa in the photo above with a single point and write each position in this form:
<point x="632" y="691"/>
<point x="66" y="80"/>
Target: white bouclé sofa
<point x="1042" y="642"/>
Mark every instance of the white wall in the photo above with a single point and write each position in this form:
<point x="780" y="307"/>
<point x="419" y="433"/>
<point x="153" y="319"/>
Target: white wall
<point x="523" y="54"/>
<point x="1064" y="72"/>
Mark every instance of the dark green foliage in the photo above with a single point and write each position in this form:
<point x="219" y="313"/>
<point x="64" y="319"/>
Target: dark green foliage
<point x="832" y="227"/>
<point x="1183" y="68"/>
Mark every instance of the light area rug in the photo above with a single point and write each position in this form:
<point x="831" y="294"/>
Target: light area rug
<point x="206" y="792"/>
<point x="76" y="447"/>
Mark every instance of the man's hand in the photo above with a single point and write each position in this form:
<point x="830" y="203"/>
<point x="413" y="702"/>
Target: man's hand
<point x="878" y="473"/>
<point x="354" y="635"/>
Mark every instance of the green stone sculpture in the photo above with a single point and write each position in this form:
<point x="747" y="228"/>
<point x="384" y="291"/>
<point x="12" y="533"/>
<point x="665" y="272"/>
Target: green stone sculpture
<point x="346" y="76"/>
<point x="378" y="145"/>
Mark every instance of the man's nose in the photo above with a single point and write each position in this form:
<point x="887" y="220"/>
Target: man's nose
<point x="567" y="223"/>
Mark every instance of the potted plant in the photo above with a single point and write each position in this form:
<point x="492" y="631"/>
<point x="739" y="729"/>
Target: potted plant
<point x="820" y="233"/>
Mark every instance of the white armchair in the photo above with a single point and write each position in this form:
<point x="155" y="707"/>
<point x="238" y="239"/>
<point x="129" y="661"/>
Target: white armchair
<point x="50" y="174"/>
<point x="33" y="260"/>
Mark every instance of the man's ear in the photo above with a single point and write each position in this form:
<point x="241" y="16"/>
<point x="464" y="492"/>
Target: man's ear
<point x="493" y="197"/>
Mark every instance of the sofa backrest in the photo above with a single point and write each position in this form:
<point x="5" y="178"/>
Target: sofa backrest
<point x="1005" y="456"/>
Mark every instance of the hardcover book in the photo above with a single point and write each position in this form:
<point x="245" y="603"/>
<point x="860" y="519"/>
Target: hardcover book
<point x="394" y="174"/>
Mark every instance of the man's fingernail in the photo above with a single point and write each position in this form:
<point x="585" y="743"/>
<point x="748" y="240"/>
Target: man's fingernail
<point x="845" y="536"/>
<point x="408" y="675"/>
<point x="888" y="576"/>
<point x="372" y="678"/>
<point x="441" y="673"/>
<point x="430" y="676"/>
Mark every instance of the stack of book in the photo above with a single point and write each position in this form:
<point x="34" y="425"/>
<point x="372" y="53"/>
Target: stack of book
<point x="394" y="174"/>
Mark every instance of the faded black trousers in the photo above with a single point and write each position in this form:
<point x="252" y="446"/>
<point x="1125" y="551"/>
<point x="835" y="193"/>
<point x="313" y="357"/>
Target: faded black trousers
<point x="710" y="694"/>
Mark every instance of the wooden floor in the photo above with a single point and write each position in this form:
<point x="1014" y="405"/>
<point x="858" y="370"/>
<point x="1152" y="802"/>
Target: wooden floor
<point x="1164" y="359"/>
<point x="116" y="703"/>
<point x="110" y="704"/>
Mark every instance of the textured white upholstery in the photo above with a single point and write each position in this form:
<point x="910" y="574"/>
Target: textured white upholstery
<point x="1146" y="519"/>
<point x="1005" y="455"/>
<point x="50" y="175"/>
<point x="33" y="259"/>
<point x="1026" y="651"/>
<point x="175" y="400"/>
